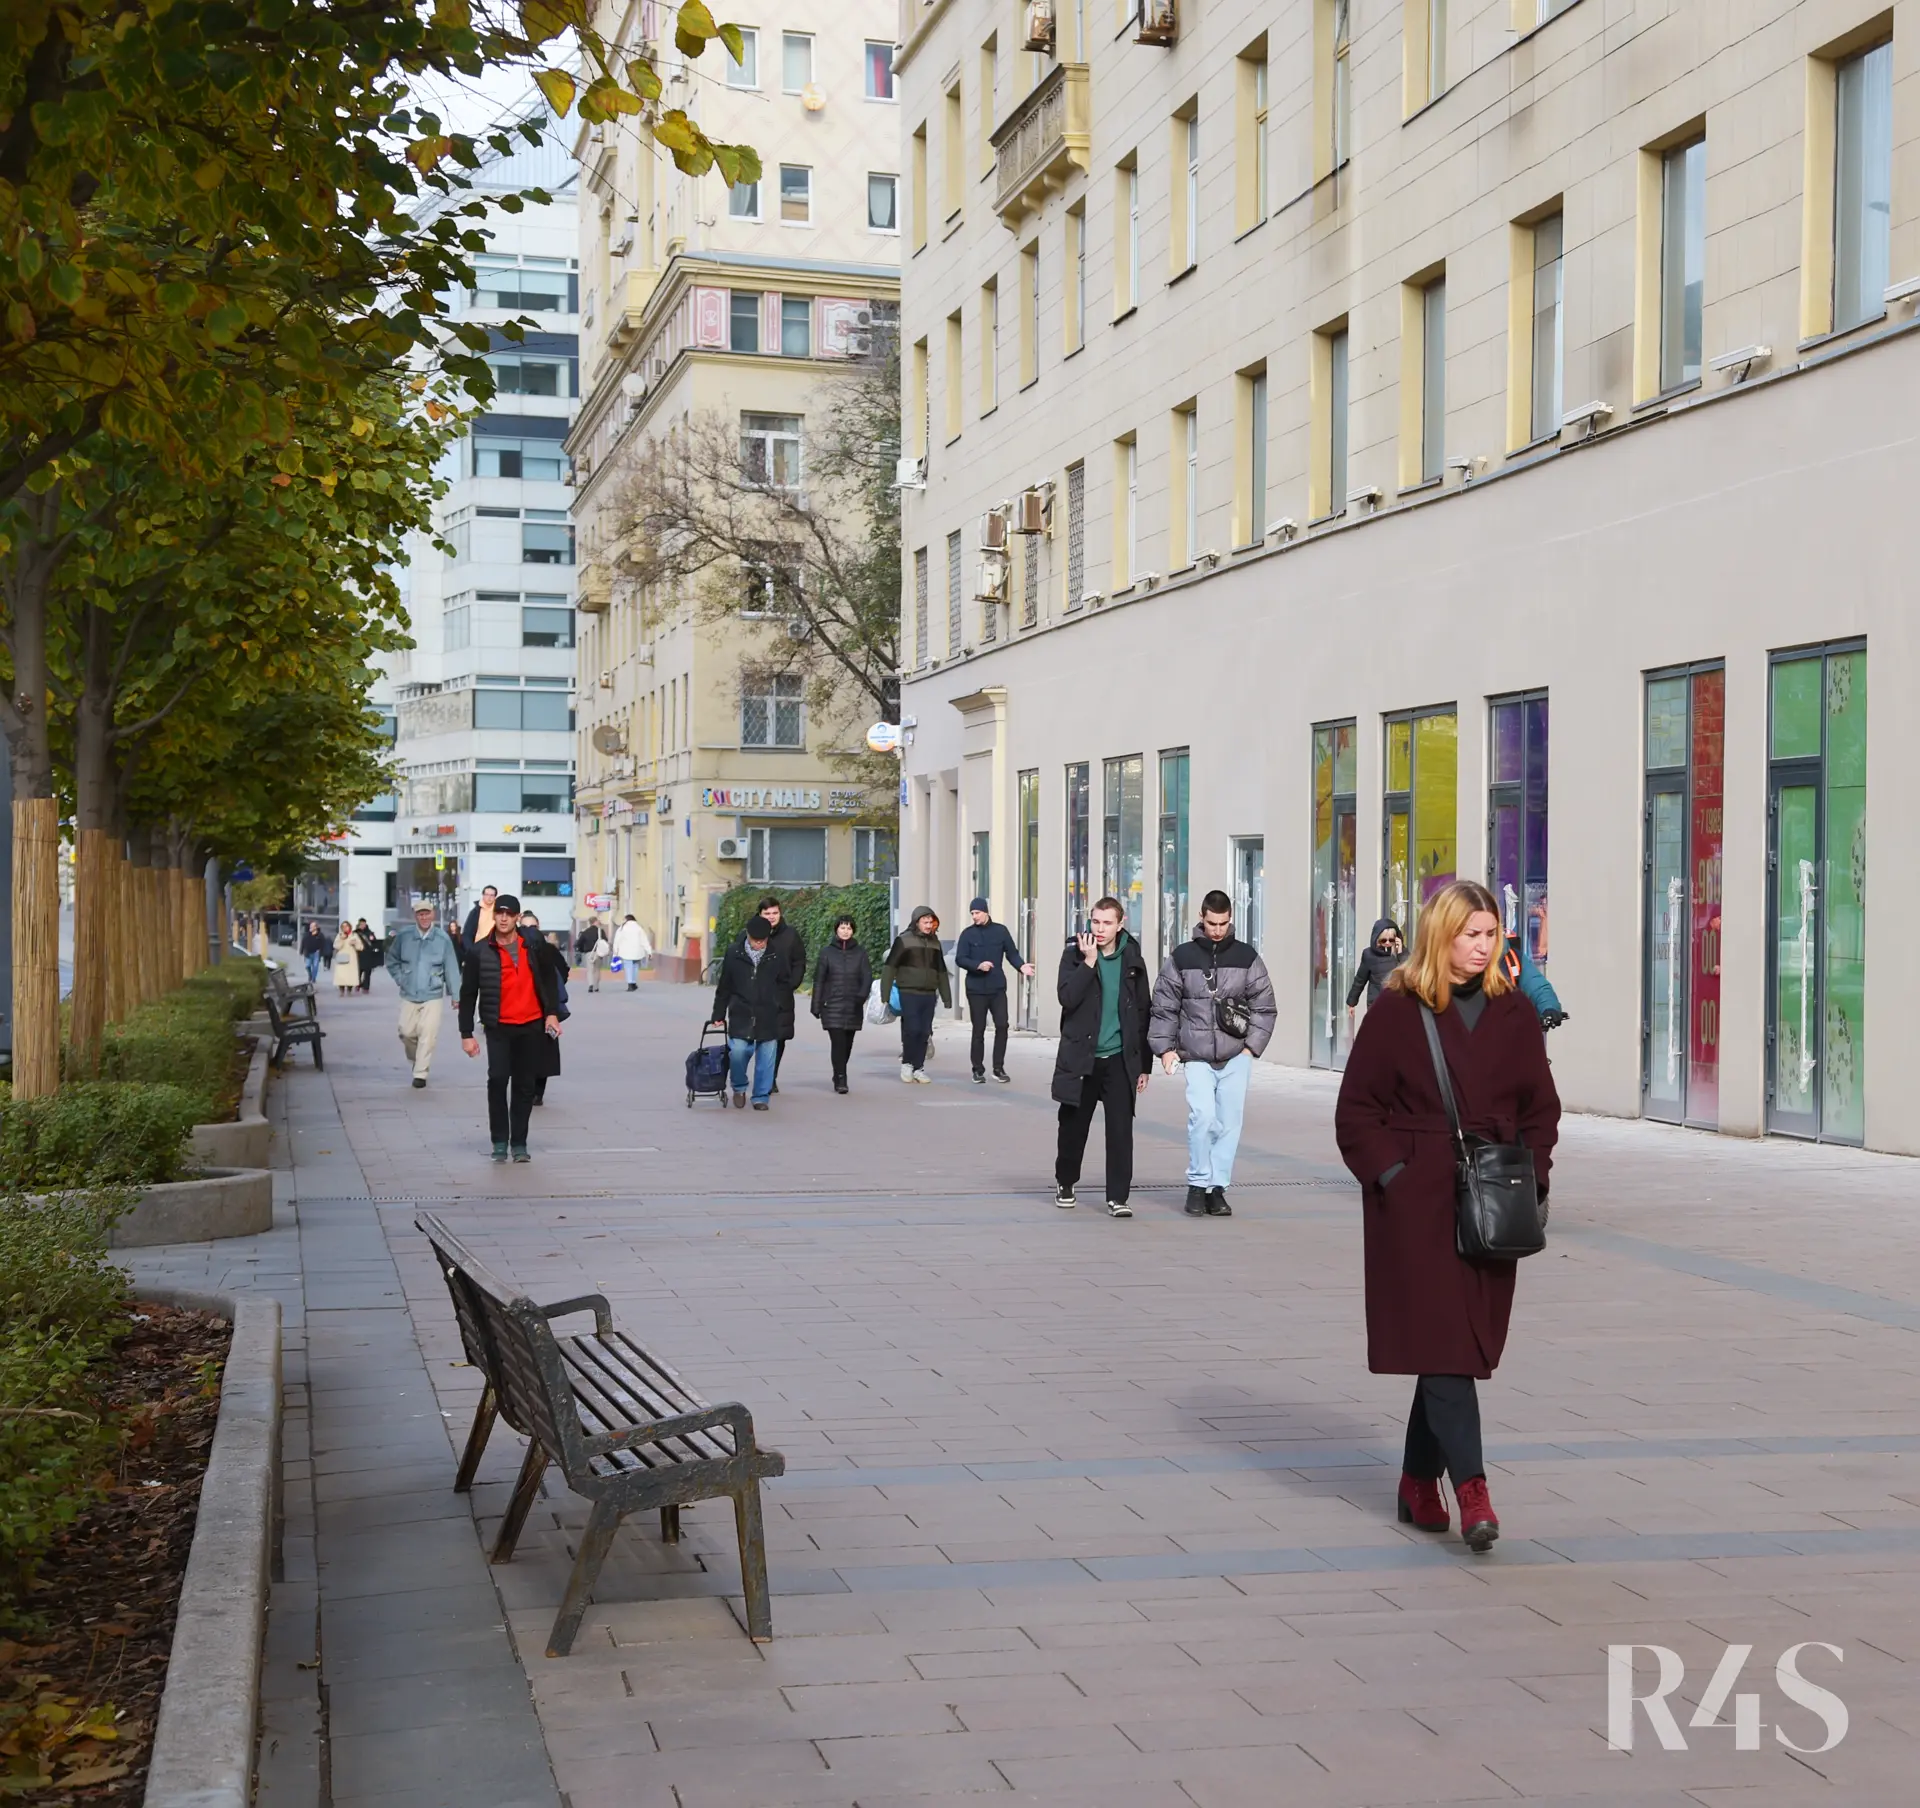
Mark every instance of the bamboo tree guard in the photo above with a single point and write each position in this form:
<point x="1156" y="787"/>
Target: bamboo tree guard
<point x="36" y="947"/>
<point x="93" y="901"/>
<point x="120" y="983"/>
<point x="145" y="934"/>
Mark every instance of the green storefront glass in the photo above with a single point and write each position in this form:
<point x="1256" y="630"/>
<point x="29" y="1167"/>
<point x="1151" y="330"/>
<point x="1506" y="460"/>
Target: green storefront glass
<point x="1843" y="1115"/>
<point x="1420" y="809"/>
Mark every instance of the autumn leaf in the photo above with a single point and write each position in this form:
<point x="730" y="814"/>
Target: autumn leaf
<point x="558" y="86"/>
<point x="693" y="28"/>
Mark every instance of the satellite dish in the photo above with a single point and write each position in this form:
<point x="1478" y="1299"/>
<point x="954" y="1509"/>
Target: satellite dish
<point x="607" y="738"/>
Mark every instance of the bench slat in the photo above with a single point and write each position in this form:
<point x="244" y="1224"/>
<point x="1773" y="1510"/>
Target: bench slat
<point x="608" y="1402"/>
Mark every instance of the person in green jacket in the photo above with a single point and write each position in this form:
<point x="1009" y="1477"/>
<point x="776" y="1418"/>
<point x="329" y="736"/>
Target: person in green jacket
<point x="917" y="965"/>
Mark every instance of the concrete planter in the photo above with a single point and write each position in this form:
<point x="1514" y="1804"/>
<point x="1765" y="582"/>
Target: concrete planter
<point x="243" y="1141"/>
<point x="203" y="1748"/>
<point x="222" y="1202"/>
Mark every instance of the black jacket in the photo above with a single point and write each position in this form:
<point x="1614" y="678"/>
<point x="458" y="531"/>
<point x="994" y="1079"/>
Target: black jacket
<point x="986" y="942"/>
<point x="587" y="940"/>
<point x="1371" y="972"/>
<point x="314" y="941"/>
<point x="1079" y="991"/>
<point x="480" y="984"/>
<point x="842" y="978"/>
<point x="788" y="952"/>
<point x="750" y="998"/>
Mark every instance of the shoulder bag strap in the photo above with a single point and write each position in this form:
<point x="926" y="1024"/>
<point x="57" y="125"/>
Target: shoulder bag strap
<point x="1432" y="1027"/>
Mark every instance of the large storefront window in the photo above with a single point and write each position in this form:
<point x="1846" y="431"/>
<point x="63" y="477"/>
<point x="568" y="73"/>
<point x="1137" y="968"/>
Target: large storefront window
<point x="1517" y="818"/>
<point x="1027" y="921"/>
<point x="1680" y="978"/>
<point x="1423" y="769"/>
<point x="1250" y="888"/>
<point x="1175" y="796"/>
<point x="1335" y="890"/>
<point x="1079" y="899"/>
<point x="1123" y="873"/>
<point x="1817" y="856"/>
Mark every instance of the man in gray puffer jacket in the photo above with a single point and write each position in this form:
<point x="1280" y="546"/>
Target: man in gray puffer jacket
<point x="1199" y="978"/>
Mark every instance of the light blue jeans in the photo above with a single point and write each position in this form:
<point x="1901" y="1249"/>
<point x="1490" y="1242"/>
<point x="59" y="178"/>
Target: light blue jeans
<point x="762" y="1054"/>
<point x="1216" y="1104"/>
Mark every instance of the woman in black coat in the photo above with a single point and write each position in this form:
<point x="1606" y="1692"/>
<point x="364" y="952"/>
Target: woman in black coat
<point x="842" y="978"/>
<point x="1430" y="1312"/>
<point x="554" y="963"/>
<point x="373" y="955"/>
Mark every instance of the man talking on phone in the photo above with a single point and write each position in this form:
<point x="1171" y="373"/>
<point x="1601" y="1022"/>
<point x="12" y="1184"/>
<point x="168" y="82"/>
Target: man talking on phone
<point x="1106" y="1000"/>
<point x="519" y="1003"/>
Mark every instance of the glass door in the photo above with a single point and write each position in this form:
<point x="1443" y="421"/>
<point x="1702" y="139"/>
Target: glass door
<point x="1027" y="922"/>
<point x="1335" y="891"/>
<point x="1664" y="1032"/>
<point x="1175" y="800"/>
<point x="1793" y="1035"/>
<point x="1249" y="887"/>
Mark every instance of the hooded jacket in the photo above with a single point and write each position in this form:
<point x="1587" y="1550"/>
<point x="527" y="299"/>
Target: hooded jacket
<point x="1371" y="972"/>
<point x="1079" y="993"/>
<point x="916" y="962"/>
<point x="1198" y="974"/>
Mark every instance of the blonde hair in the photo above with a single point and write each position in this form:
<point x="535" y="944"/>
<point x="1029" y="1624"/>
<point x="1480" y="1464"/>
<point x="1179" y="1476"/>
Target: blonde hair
<point x="1427" y="973"/>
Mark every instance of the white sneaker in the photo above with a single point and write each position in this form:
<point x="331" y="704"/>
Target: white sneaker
<point x="1119" y="1208"/>
<point x="906" y="1074"/>
<point x="920" y="1077"/>
<point x="1063" y="1198"/>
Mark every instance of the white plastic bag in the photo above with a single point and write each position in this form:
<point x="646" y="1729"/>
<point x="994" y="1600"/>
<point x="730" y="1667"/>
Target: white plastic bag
<point x="879" y="1012"/>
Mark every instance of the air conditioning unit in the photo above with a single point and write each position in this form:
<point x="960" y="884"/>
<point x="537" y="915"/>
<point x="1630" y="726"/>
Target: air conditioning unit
<point x="799" y="628"/>
<point x="606" y="681"/>
<point x="993" y="530"/>
<point x="910" y="474"/>
<point x="991" y="584"/>
<point x="1156" y="22"/>
<point x="1039" y="23"/>
<point x="859" y="345"/>
<point x="733" y="847"/>
<point x="1030" y="512"/>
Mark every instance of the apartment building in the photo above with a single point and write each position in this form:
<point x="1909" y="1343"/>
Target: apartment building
<point x="481" y="707"/>
<point x="700" y="766"/>
<point x="1352" y="446"/>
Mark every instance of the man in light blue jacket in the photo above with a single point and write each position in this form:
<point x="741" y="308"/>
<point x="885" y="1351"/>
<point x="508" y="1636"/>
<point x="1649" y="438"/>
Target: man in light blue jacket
<point x="425" y="966"/>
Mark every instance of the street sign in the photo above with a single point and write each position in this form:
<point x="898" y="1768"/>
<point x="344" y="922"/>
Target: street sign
<point x="597" y="900"/>
<point x="884" y="737"/>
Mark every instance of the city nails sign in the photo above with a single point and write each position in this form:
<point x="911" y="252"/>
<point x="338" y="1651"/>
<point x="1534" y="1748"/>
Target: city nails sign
<point x="1746" y="1724"/>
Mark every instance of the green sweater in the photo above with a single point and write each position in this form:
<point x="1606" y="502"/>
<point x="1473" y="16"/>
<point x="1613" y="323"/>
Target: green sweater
<point x="1107" y="969"/>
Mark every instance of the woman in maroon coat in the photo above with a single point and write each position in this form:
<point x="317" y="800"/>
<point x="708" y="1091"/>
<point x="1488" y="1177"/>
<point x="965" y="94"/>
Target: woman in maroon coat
<point x="1431" y="1313"/>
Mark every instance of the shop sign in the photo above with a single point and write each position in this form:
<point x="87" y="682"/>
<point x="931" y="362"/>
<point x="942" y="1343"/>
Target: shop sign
<point x="846" y="803"/>
<point x="445" y="828"/>
<point x="884" y="737"/>
<point x="597" y="900"/>
<point x="760" y="798"/>
<point x="520" y="828"/>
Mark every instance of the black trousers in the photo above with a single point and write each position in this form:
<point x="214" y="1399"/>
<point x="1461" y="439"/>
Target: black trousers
<point x="779" y="1049"/>
<point x="840" y="1044"/>
<point x="1109" y="1087"/>
<point x="981" y="1006"/>
<point x="916" y="1025"/>
<point x="1443" y="1430"/>
<point x="515" y="1061"/>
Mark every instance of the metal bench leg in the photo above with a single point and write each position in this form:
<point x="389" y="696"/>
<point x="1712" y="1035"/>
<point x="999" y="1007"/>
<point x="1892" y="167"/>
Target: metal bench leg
<point x="595" y="1542"/>
<point x="669" y="1525"/>
<point x="753" y="1562"/>
<point x="483" y="1417"/>
<point x="521" y="1504"/>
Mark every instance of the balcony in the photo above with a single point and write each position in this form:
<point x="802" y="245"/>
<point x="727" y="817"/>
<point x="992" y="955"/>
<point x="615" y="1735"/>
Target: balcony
<point x="593" y="590"/>
<point x="1044" y="139"/>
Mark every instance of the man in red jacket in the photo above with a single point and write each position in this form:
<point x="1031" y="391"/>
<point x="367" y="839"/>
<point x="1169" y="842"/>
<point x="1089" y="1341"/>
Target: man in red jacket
<point x="518" y="1003"/>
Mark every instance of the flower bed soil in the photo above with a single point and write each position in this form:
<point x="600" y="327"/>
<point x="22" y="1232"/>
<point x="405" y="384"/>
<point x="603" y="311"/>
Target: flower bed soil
<point x="80" y="1690"/>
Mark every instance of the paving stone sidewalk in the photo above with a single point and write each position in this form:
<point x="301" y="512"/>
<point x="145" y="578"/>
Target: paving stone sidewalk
<point x="1081" y="1510"/>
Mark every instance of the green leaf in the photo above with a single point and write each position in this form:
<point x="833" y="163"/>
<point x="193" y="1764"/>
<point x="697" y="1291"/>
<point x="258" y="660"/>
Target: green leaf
<point x="31" y="258"/>
<point x="729" y="35"/>
<point x="644" y="79"/>
<point x="64" y="280"/>
<point x="558" y="86"/>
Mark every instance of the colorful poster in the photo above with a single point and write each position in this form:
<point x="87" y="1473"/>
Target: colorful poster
<point x="1705" y="842"/>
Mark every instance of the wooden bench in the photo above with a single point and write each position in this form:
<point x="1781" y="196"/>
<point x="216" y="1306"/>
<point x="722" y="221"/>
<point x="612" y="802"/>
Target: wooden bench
<point x="290" y="992"/>
<point x="290" y="1029"/>
<point x="626" y="1432"/>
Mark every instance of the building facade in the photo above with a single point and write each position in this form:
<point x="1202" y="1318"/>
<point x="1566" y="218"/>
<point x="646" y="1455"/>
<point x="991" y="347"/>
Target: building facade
<point x="698" y="769"/>
<point x="1493" y="469"/>
<point x="481" y="707"/>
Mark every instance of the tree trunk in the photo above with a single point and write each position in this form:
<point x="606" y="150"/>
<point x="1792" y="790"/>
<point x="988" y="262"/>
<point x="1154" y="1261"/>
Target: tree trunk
<point x="36" y="947"/>
<point x="93" y="902"/>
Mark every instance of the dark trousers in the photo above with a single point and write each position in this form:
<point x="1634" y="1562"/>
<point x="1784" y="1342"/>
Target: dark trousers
<point x="1443" y="1430"/>
<point x="1106" y="1086"/>
<point x="981" y="1006"/>
<point x="515" y="1060"/>
<point x="840" y="1044"/>
<point x="779" y="1051"/>
<point x="916" y="1025"/>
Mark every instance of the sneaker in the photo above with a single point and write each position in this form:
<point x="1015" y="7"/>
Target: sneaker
<point x="1001" y="1074"/>
<point x="1196" y="1202"/>
<point x="920" y="1077"/>
<point x="979" y="1076"/>
<point x="761" y="1105"/>
<point x="739" y="1101"/>
<point x="1217" y="1206"/>
<point x="418" y="1082"/>
<point x="1422" y="1505"/>
<point x="499" y="1151"/>
<point x="1119" y="1208"/>
<point x="1064" y="1199"/>
<point x="840" y="1082"/>
<point x="520" y="1152"/>
<point x="1479" y="1524"/>
<point x="906" y="1074"/>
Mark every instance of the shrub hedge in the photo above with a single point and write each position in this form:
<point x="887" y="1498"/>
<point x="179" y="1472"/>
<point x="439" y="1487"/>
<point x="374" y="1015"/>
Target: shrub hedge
<point x="811" y="910"/>
<point x="186" y="1038"/>
<point x="97" y="1133"/>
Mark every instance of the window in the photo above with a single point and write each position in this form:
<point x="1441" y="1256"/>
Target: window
<point x="537" y="460"/>
<point x="1423" y="37"/>
<point x="1126" y="251"/>
<point x="1027" y="909"/>
<point x="524" y="711"/>
<point x="1862" y="186"/>
<point x="1683" y="261"/>
<point x="772" y="713"/>
<point x="1341" y="147"/>
<point x="953" y="154"/>
<point x="547" y="625"/>
<point x="921" y="646"/>
<point x="955" y="354"/>
<point x="1185" y="236"/>
<point x="796" y="60"/>
<point x="1420" y="855"/>
<point x="883" y="203"/>
<point x="1433" y="380"/>
<point x="955" y="621"/>
<point x="1079" y="897"/>
<point x="879" y="66"/>
<point x="794" y="855"/>
<point x="1517" y="819"/>
<point x="919" y="405"/>
<point x="1250" y="462"/>
<point x="1250" y="151"/>
<point x="770" y="449"/>
<point x="917" y="167"/>
<point x="746" y="72"/>
<point x="1183" y="520"/>
<point x="876" y="856"/>
<point x="1030" y="314"/>
<point x="456" y="629"/>
<point x="1126" y="508"/>
<point x="796" y="193"/>
<point x="796" y="327"/>
<point x="1436" y="48"/>
<point x="743" y="321"/>
<point x="1076" y="534"/>
<point x="1175" y="800"/>
<point x="989" y="347"/>
<point x="1549" y="337"/>
<point x="510" y="793"/>
<point x="517" y="373"/>
<point x="743" y="201"/>
<point x="1329" y="489"/>
<point x="499" y="284"/>
<point x="1122" y="860"/>
<point x="1250" y="888"/>
<point x="546" y="538"/>
<point x="989" y="80"/>
<point x="1030" y="580"/>
<point x="1335" y="892"/>
<point x="1077" y="286"/>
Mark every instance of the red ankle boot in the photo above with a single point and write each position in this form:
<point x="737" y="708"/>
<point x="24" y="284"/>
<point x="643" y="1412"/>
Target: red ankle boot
<point x="1422" y="1504"/>
<point x="1479" y="1524"/>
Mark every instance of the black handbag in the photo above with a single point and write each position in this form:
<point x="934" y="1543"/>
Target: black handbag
<point x="1231" y="1016"/>
<point x="1498" y="1214"/>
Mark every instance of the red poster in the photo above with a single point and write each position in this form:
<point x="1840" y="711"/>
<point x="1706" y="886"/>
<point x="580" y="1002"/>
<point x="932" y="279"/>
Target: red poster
<point x="1708" y="753"/>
